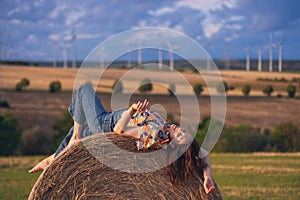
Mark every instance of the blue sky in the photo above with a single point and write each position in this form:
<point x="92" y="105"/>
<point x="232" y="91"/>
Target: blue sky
<point x="33" y="29"/>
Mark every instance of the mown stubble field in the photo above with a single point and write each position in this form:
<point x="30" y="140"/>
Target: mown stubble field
<point x="263" y="176"/>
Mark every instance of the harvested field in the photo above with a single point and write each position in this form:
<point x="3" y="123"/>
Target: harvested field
<point x="40" y="78"/>
<point x="36" y="106"/>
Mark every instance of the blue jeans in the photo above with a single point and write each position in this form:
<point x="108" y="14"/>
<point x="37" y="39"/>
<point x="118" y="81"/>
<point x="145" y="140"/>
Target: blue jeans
<point x="87" y="110"/>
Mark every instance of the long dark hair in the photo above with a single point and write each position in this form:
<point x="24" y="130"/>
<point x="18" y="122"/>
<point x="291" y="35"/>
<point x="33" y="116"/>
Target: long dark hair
<point x="187" y="165"/>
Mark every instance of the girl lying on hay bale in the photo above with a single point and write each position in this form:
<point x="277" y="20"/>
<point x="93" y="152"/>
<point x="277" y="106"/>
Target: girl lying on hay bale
<point x="151" y="131"/>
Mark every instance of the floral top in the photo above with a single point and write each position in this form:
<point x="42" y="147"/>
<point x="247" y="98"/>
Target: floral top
<point x="153" y="131"/>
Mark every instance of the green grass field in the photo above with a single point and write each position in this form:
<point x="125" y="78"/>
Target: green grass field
<point x="239" y="176"/>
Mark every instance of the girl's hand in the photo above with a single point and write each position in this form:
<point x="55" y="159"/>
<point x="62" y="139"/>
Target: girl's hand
<point x="176" y="128"/>
<point x="140" y="106"/>
<point x="209" y="185"/>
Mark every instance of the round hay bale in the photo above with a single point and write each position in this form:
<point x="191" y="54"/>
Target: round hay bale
<point x="76" y="174"/>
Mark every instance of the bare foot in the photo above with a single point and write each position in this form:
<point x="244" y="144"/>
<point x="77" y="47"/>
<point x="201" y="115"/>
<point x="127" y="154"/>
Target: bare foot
<point x="42" y="165"/>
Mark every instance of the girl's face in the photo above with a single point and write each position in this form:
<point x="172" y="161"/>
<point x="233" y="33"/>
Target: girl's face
<point x="179" y="135"/>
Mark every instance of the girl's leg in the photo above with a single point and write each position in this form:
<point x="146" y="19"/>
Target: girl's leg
<point x="65" y="142"/>
<point x="76" y="134"/>
<point x="87" y="108"/>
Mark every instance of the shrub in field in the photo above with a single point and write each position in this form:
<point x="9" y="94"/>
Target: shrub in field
<point x="207" y="123"/>
<point x="291" y="90"/>
<point x="34" y="141"/>
<point x="180" y="69"/>
<point x="267" y="90"/>
<point x="198" y="89"/>
<point x="4" y="104"/>
<point x="241" y="138"/>
<point x="61" y="128"/>
<point x="223" y="87"/>
<point x="22" y="84"/>
<point x="118" y="87"/>
<point x="145" y="86"/>
<point x="172" y="90"/>
<point x="194" y="70"/>
<point x="55" y="86"/>
<point x="25" y="82"/>
<point x="246" y="89"/>
<point x="285" y="138"/>
<point x="202" y="129"/>
<point x="18" y="87"/>
<point x="9" y="135"/>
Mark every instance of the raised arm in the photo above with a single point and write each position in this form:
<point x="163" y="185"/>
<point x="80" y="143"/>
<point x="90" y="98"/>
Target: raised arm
<point x="121" y="126"/>
<point x="209" y="185"/>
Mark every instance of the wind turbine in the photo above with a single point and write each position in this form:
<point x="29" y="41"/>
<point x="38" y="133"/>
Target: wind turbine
<point x="227" y="56"/>
<point x="280" y="58"/>
<point x="127" y="43"/>
<point x="248" y="59"/>
<point x="160" y="63"/>
<point x="102" y="56"/>
<point x="259" y="52"/>
<point x="129" y="59"/>
<point x="208" y="64"/>
<point x="65" y="55"/>
<point x="280" y="54"/>
<point x="271" y="46"/>
<point x="73" y="40"/>
<point x="171" y="58"/>
<point x="54" y="46"/>
<point x="140" y="53"/>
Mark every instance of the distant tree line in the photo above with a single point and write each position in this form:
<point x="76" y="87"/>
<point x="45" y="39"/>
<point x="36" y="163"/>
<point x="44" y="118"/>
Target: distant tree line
<point x="246" y="138"/>
<point x="31" y="140"/>
<point x="240" y="138"/>
<point x="147" y="86"/>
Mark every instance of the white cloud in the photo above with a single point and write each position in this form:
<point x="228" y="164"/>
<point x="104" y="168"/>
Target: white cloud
<point x="236" y="18"/>
<point x="38" y="3"/>
<point x="206" y="5"/>
<point x="141" y="24"/>
<point x="15" y="21"/>
<point x="231" y="37"/>
<point x="211" y="24"/>
<point x="67" y="12"/>
<point x="179" y="28"/>
<point x="60" y="8"/>
<point x="236" y="27"/>
<point x="10" y="13"/>
<point x="161" y="11"/>
<point x="198" y="37"/>
<point x="54" y="37"/>
<point x="89" y="36"/>
<point x="31" y="38"/>
<point x="74" y="16"/>
<point x="210" y="27"/>
<point x="229" y="3"/>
